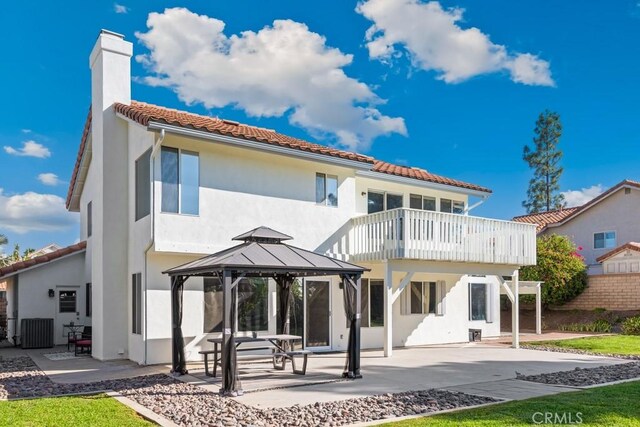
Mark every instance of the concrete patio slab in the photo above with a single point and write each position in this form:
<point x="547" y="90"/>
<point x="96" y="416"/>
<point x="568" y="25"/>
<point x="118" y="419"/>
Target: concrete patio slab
<point x="465" y="367"/>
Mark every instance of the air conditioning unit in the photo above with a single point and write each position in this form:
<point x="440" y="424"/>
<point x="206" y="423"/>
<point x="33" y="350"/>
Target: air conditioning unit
<point x="36" y="333"/>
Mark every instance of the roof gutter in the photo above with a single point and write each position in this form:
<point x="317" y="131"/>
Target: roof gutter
<point x="421" y="183"/>
<point x="261" y="146"/>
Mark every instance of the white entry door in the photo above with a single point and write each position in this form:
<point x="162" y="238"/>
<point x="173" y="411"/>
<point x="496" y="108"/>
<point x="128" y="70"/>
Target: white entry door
<point x="317" y="314"/>
<point x="67" y="311"/>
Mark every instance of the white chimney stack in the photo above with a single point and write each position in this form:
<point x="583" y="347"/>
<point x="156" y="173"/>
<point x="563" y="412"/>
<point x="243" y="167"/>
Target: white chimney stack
<point x="110" y="64"/>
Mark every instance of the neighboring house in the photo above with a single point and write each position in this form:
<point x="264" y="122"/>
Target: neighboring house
<point x="607" y="222"/>
<point x="623" y="259"/>
<point x="157" y="187"/>
<point x="45" y="250"/>
<point x="52" y="286"/>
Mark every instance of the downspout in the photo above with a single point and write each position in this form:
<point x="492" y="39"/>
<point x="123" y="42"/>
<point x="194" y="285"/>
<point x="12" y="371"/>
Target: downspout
<point x="475" y="205"/>
<point x="154" y="151"/>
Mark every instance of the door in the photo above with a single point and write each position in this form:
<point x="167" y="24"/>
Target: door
<point x="317" y="314"/>
<point x="67" y="311"/>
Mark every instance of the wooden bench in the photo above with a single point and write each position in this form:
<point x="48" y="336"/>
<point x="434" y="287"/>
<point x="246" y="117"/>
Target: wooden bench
<point x="217" y="359"/>
<point x="292" y="356"/>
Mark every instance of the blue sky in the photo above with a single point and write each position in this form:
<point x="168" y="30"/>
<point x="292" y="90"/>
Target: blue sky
<point x="456" y="91"/>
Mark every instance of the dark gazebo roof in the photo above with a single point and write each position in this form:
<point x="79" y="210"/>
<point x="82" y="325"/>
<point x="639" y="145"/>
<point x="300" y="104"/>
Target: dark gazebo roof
<point x="263" y="252"/>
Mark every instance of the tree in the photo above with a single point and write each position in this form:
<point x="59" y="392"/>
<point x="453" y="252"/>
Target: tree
<point x="560" y="266"/>
<point x="544" y="188"/>
<point x="16" y="256"/>
<point x="3" y="240"/>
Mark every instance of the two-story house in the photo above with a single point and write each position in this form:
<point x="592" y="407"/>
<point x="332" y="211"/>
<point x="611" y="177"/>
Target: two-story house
<point x="157" y="187"/>
<point x="598" y="227"/>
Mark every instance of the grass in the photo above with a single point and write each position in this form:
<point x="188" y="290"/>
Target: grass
<point x="615" y="405"/>
<point x="611" y="344"/>
<point x="95" y="410"/>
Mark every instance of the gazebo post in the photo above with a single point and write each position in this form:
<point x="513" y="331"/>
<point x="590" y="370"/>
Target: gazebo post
<point x="230" y="382"/>
<point x="352" y="305"/>
<point x="177" y="340"/>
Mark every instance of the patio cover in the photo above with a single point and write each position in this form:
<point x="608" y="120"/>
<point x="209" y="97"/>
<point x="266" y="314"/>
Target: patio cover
<point x="262" y="254"/>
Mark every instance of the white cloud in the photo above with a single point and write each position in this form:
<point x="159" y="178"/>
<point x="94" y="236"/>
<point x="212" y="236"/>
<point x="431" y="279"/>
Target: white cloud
<point x="49" y="179"/>
<point x="580" y="197"/>
<point x="433" y="39"/>
<point x="29" y="149"/>
<point x="282" y="70"/>
<point x="118" y="8"/>
<point x="22" y="213"/>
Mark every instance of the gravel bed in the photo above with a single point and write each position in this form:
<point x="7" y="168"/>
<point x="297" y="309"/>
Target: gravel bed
<point x="577" y="351"/>
<point x="580" y="377"/>
<point x="186" y="404"/>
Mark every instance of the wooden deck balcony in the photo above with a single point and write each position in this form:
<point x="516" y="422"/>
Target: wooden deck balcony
<point x="437" y="236"/>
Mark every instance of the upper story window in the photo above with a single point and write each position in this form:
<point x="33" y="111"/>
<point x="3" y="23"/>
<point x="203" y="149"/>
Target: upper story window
<point x="378" y="201"/>
<point x="89" y="219"/>
<point x="143" y="185"/>
<point x="180" y="181"/>
<point x="416" y="201"/>
<point x="451" y="206"/>
<point x="326" y="189"/>
<point x="604" y="240"/>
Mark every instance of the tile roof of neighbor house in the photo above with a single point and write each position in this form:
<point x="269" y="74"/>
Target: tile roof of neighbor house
<point x="543" y="220"/>
<point x="629" y="245"/>
<point x="143" y="113"/>
<point x="42" y="259"/>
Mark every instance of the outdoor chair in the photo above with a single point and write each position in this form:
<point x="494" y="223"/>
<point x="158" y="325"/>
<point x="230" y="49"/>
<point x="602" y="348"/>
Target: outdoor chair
<point x="73" y="338"/>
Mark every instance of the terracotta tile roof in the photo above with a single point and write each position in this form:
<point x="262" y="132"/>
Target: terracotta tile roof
<point x="542" y="219"/>
<point x="629" y="245"/>
<point x="76" y="168"/>
<point x="144" y="114"/>
<point x="546" y="219"/>
<point x="423" y="175"/>
<point x="42" y="259"/>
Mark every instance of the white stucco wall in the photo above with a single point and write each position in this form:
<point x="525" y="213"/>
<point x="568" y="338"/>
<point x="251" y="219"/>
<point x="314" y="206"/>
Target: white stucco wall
<point x="615" y="213"/>
<point x="33" y="298"/>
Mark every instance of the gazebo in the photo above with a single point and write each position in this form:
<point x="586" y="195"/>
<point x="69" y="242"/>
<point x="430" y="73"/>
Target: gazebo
<point x="262" y="253"/>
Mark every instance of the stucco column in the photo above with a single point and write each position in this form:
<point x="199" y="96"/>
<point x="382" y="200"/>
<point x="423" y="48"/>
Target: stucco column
<point x="388" y="309"/>
<point x="515" y="311"/>
<point x="539" y="309"/>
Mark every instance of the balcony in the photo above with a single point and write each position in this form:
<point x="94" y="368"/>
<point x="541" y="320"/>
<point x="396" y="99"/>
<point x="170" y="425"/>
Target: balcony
<point x="437" y="236"/>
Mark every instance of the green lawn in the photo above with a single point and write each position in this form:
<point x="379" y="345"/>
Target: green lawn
<point x="615" y="405"/>
<point x="96" y="410"/>
<point x="610" y="344"/>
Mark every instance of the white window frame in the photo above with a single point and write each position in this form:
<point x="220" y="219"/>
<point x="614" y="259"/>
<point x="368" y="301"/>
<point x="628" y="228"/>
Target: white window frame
<point x="180" y="151"/>
<point x="369" y="280"/>
<point x="422" y="199"/>
<point x="453" y="202"/>
<point x="488" y="300"/>
<point x="326" y="198"/>
<point x="440" y="296"/>
<point x="384" y="198"/>
<point x="604" y="233"/>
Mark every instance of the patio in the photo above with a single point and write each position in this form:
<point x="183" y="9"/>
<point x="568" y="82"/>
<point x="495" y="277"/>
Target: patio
<point x="457" y="367"/>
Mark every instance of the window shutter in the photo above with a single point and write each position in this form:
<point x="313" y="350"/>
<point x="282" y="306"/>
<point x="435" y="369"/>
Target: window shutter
<point x="489" y="302"/>
<point x="441" y="291"/>
<point x="404" y="300"/>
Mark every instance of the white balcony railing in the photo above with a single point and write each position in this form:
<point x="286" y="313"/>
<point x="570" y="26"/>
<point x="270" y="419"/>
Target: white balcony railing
<point x="417" y="234"/>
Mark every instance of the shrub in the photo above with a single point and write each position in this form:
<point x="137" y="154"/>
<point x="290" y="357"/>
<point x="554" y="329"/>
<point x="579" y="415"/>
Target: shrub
<point x="631" y="326"/>
<point x="560" y="267"/>
<point x="599" y="325"/>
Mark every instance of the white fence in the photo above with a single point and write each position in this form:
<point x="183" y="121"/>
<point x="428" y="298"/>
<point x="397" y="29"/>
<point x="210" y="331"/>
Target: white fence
<point x="417" y="234"/>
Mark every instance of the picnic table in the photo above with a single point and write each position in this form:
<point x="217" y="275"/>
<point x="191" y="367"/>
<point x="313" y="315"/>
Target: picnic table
<point x="278" y="347"/>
